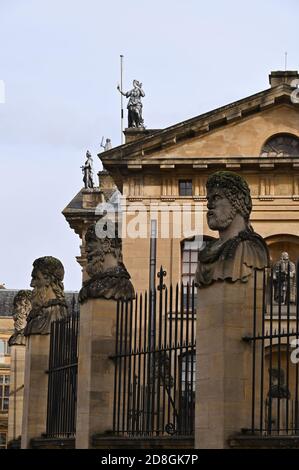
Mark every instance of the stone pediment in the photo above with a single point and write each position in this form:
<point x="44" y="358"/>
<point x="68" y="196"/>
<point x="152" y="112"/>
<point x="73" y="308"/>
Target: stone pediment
<point x="237" y="130"/>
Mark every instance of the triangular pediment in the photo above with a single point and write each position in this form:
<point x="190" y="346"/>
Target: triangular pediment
<point x="238" y="129"/>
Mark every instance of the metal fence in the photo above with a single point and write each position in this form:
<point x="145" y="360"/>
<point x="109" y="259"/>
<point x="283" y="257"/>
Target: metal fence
<point x="62" y="383"/>
<point x="275" y="379"/>
<point x="154" y="387"/>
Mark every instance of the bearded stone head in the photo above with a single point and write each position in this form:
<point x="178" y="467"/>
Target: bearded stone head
<point x="47" y="280"/>
<point x="102" y="253"/>
<point x="228" y="195"/>
<point x="21" y="309"/>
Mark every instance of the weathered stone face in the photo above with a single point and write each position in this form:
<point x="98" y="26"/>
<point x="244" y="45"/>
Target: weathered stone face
<point x="48" y="301"/>
<point x="220" y="211"/>
<point x="109" y="278"/>
<point x="22" y="307"/>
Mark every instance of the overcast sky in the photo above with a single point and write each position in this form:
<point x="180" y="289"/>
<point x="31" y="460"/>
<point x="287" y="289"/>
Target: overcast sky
<point x="59" y="60"/>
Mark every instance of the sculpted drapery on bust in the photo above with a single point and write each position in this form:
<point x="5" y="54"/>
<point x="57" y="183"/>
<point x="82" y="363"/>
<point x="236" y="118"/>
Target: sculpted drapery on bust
<point x="238" y="250"/>
<point x="48" y="301"/>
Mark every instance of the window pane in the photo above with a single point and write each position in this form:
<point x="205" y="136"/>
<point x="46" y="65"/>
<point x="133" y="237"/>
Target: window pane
<point x="2" y="345"/>
<point x="194" y="255"/>
<point x="2" y="440"/>
<point x="186" y="268"/>
<point x="185" y="187"/>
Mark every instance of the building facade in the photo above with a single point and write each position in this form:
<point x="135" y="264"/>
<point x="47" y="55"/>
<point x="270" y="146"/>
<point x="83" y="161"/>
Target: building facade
<point x="257" y="137"/>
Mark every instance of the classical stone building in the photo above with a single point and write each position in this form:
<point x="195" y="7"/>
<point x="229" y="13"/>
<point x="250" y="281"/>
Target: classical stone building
<point x="160" y="172"/>
<point x="257" y="137"/>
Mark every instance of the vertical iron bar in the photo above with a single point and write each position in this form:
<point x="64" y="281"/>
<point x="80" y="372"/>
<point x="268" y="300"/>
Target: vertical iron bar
<point x="175" y="415"/>
<point x="297" y="365"/>
<point x="120" y="367"/>
<point x="263" y="353"/>
<point x="271" y="353"/>
<point x="129" y="358"/>
<point x="165" y="361"/>
<point x="144" y="411"/>
<point x="192" y="404"/>
<point x="125" y="366"/>
<point x="159" y="354"/>
<point x="170" y="352"/>
<point x="288" y="348"/>
<point x="116" y="366"/>
<point x="187" y="353"/>
<point x="281" y="299"/>
<point x="253" y="354"/>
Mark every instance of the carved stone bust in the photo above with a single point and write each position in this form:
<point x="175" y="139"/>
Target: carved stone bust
<point x="48" y="301"/>
<point x="238" y="250"/>
<point x="21" y="309"/>
<point x="108" y="277"/>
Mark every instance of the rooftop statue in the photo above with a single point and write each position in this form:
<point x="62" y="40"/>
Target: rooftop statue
<point x="48" y="300"/>
<point x="134" y="104"/>
<point x="87" y="170"/>
<point x="21" y="309"/>
<point x="107" y="145"/>
<point x="238" y="250"/>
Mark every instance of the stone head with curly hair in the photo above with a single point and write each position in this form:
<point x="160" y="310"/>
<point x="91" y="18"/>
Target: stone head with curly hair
<point x="229" y="199"/>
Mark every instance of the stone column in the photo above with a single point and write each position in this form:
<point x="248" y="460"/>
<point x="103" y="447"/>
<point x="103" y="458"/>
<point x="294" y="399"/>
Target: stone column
<point x="95" y="369"/>
<point x="35" y="388"/>
<point x="15" y="411"/>
<point x="224" y="361"/>
<point x="48" y="305"/>
<point x="108" y="281"/>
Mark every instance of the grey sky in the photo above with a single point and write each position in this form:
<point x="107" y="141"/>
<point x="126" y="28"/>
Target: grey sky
<point x="60" y="63"/>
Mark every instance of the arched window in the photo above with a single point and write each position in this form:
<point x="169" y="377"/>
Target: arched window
<point x="281" y="145"/>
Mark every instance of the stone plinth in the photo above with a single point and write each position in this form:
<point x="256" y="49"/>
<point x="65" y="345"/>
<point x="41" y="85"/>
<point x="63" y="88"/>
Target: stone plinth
<point x="224" y="362"/>
<point x="15" y="413"/>
<point x="35" y="388"/>
<point x="95" y="370"/>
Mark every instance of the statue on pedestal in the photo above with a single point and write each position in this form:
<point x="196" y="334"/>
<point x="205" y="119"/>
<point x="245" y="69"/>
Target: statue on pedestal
<point x="48" y="300"/>
<point x="277" y="387"/>
<point x="284" y="286"/>
<point x="107" y="146"/>
<point x="109" y="278"/>
<point x="134" y="104"/>
<point x="21" y="309"/>
<point x="87" y="170"/>
<point x="239" y="249"/>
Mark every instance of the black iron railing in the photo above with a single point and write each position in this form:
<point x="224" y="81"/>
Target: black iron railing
<point x="275" y="361"/>
<point x="62" y="384"/>
<point x="154" y="387"/>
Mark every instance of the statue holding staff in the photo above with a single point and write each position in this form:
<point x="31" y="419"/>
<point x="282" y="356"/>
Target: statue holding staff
<point x="134" y="104"/>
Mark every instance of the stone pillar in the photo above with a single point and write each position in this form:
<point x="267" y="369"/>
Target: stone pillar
<point x="224" y="361"/>
<point x="35" y="388"/>
<point x="15" y="411"/>
<point x="95" y="369"/>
